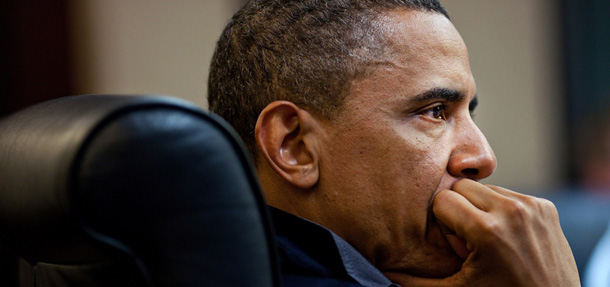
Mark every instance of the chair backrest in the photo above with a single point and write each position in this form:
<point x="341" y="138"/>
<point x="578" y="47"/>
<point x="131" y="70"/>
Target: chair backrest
<point x="104" y="190"/>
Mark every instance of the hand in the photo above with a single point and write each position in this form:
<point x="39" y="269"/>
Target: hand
<point x="506" y="238"/>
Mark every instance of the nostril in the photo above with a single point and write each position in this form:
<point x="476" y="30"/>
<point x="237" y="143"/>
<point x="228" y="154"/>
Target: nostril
<point x="470" y="171"/>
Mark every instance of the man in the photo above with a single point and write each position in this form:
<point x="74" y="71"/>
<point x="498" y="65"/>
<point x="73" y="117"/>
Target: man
<point x="358" y="116"/>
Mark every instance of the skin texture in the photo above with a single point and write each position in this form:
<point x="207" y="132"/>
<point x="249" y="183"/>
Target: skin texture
<point x="394" y="173"/>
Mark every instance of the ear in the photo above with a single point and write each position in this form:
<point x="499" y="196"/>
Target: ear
<point x="286" y="140"/>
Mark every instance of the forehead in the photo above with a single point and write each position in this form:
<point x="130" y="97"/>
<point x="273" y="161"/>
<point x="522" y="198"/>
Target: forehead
<point x="424" y="52"/>
<point x="414" y="35"/>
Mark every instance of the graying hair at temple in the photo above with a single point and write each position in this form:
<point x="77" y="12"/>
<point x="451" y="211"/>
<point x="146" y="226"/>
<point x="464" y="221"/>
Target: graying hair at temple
<point x="306" y="52"/>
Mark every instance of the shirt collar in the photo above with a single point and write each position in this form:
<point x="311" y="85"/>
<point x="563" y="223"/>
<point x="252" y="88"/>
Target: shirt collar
<point x="338" y="256"/>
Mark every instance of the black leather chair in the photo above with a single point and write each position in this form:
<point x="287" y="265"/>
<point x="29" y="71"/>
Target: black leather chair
<point x="104" y="190"/>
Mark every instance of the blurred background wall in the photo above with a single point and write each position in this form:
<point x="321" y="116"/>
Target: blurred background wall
<point x="157" y="47"/>
<point x="515" y="56"/>
<point x="161" y="47"/>
<point x="152" y="46"/>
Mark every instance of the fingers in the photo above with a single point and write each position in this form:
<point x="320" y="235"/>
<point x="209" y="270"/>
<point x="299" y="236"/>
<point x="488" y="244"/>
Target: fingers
<point x="513" y="239"/>
<point x="455" y="211"/>
<point x="458" y="245"/>
<point x="495" y="199"/>
<point x="483" y="214"/>
<point x="544" y="210"/>
<point x="484" y="197"/>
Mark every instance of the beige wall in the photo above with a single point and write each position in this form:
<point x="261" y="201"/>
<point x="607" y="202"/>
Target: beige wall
<point x="514" y="56"/>
<point x="146" y="46"/>
<point x="164" y="47"/>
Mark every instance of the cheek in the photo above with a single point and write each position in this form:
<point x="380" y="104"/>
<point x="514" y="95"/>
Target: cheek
<point x="404" y="157"/>
<point x="385" y="162"/>
<point x="398" y="173"/>
<point x="416" y="178"/>
<point x="413" y="174"/>
<point x="379" y="185"/>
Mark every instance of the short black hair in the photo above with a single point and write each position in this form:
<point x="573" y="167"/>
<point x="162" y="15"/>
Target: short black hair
<point x="303" y="51"/>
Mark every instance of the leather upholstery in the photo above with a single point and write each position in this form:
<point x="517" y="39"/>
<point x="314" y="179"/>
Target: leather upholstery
<point x="104" y="190"/>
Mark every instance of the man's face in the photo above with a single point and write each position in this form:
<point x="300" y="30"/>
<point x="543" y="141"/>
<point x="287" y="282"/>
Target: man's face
<point x="404" y="133"/>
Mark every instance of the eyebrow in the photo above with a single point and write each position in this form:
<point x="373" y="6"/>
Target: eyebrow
<point x="444" y="94"/>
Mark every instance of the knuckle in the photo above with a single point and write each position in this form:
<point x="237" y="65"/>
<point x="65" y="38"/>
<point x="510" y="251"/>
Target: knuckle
<point x="440" y="197"/>
<point x="547" y="208"/>
<point x="517" y="209"/>
<point x="443" y="197"/>
<point x="491" y="226"/>
<point x="546" y="204"/>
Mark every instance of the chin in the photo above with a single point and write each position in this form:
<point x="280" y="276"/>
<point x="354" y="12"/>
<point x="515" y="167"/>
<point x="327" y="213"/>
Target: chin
<point x="436" y="263"/>
<point x="440" y="269"/>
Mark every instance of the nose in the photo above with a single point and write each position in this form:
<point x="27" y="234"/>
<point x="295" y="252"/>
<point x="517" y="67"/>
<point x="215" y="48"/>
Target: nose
<point x="472" y="157"/>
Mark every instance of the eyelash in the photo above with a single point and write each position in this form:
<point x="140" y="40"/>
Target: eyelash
<point x="437" y="112"/>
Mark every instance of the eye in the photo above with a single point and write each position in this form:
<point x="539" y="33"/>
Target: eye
<point x="438" y="112"/>
<point x="434" y="112"/>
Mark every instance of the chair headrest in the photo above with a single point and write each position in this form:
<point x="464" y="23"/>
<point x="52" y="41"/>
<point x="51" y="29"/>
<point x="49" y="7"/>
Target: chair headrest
<point x="152" y="177"/>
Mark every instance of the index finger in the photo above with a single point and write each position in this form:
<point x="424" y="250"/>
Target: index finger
<point x="480" y="195"/>
<point x="456" y="212"/>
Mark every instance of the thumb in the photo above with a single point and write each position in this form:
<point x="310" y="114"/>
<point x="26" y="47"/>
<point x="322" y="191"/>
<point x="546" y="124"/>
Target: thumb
<point x="457" y="243"/>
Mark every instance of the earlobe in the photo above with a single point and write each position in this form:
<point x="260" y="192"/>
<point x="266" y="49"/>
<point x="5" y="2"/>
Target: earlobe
<point x="285" y="138"/>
